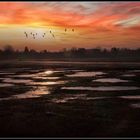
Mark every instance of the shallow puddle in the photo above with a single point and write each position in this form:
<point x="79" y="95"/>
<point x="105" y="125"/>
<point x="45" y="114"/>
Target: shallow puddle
<point x="129" y="75"/>
<point x="85" y="74"/>
<point x="66" y="99"/>
<point x="35" y="75"/>
<point x="24" y="75"/>
<point x="38" y="92"/>
<point x="135" y="105"/>
<point x="5" y="85"/>
<point x="110" y="80"/>
<point x="74" y="97"/>
<point x="33" y="93"/>
<point x="135" y="70"/>
<point x="45" y="78"/>
<point x="137" y="97"/>
<point x="16" y="81"/>
<point x="102" y="88"/>
<point x="47" y="83"/>
<point x="6" y="73"/>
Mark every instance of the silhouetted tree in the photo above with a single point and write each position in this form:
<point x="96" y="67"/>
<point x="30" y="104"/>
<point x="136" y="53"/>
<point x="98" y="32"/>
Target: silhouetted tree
<point x="26" y="50"/>
<point x="8" y="49"/>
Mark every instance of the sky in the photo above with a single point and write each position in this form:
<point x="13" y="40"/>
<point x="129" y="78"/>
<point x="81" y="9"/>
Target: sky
<point x="96" y="24"/>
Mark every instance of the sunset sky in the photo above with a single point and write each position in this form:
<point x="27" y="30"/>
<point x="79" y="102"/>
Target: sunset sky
<point x="104" y="24"/>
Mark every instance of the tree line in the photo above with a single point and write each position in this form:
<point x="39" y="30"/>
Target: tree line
<point x="8" y="52"/>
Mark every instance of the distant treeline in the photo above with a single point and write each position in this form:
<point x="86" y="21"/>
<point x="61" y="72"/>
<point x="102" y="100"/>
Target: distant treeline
<point x="80" y="53"/>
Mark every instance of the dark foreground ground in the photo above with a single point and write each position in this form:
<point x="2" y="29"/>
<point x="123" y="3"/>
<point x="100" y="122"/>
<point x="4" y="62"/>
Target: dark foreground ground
<point x="41" y="117"/>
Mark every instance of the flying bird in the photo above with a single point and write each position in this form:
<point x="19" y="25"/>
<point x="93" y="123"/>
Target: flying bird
<point x="65" y="29"/>
<point x="34" y="36"/>
<point x="53" y="35"/>
<point x="26" y="34"/>
<point x="73" y="30"/>
<point x="50" y="32"/>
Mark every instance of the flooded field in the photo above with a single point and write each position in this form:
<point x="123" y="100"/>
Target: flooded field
<point x="69" y="100"/>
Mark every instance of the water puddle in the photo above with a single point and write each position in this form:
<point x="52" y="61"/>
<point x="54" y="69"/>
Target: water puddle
<point x="6" y="73"/>
<point x="136" y="97"/>
<point x="102" y="88"/>
<point x="135" y="105"/>
<point x="46" y="78"/>
<point x="110" y="80"/>
<point x="2" y="78"/>
<point x="76" y="70"/>
<point x="24" y="75"/>
<point x="135" y="70"/>
<point x="129" y="75"/>
<point x="6" y="85"/>
<point x="16" y="81"/>
<point x="78" y="96"/>
<point x="33" y="93"/>
<point x="85" y="74"/>
<point x="66" y="99"/>
<point x="35" y="75"/>
<point x="46" y="83"/>
<point x="30" y="94"/>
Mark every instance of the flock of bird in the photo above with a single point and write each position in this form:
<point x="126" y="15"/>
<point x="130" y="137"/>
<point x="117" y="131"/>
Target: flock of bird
<point x="34" y="35"/>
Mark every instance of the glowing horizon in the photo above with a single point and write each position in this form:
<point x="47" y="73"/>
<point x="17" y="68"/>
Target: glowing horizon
<point x="103" y="24"/>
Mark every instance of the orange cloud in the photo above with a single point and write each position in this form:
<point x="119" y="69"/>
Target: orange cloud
<point x="98" y="22"/>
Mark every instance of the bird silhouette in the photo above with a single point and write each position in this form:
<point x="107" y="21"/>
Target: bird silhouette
<point x="31" y="33"/>
<point x="26" y="34"/>
<point x="65" y="29"/>
<point x="50" y="31"/>
<point x="53" y="35"/>
<point x="34" y="36"/>
<point x="73" y="30"/>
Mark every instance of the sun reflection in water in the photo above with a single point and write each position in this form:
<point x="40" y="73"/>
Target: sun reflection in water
<point x="48" y="72"/>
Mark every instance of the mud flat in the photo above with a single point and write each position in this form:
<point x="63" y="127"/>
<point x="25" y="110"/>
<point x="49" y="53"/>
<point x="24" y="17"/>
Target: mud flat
<point x="30" y="107"/>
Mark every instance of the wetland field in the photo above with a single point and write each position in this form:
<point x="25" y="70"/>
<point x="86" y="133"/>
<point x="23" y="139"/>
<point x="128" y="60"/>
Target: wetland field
<point x="69" y="99"/>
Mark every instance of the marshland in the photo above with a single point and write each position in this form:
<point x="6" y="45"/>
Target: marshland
<point x="74" y="99"/>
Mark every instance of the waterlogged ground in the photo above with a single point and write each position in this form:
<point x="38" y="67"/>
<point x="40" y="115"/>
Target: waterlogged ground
<point x="69" y="100"/>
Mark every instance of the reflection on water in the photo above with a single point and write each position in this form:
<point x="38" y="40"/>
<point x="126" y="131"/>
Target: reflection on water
<point x="110" y="80"/>
<point x="76" y="70"/>
<point x="135" y="70"/>
<point x="77" y="96"/>
<point x="85" y="74"/>
<point x="130" y="97"/>
<point x="47" y="83"/>
<point x="5" y="85"/>
<point x="45" y="78"/>
<point x="29" y="94"/>
<point x="65" y="99"/>
<point x="33" y="93"/>
<point x="2" y="78"/>
<point x="129" y="75"/>
<point x="16" y="81"/>
<point x="48" y="72"/>
<point x="40" y="74"/>
<point x="6" y="73"/>
<point x="102" y="88"/>
<point x="135" y="105"/>
<point x="24" y="75"/>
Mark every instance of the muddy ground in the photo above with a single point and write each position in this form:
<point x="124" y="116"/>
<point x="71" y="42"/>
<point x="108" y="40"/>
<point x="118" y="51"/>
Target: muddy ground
<point x="71" y="113"/>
